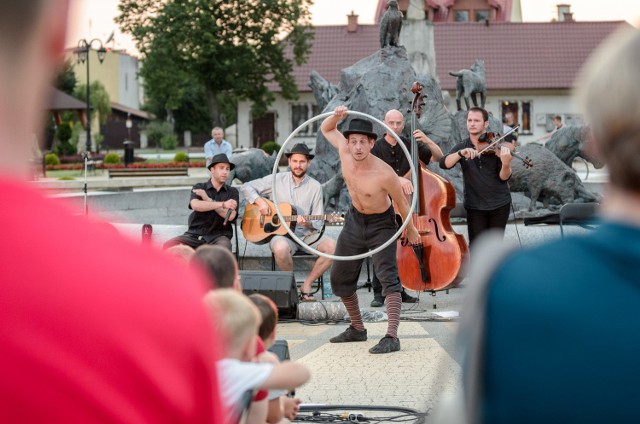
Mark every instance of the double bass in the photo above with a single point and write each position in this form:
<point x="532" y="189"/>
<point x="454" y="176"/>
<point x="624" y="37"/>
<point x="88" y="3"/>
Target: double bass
<point x="436" y="263"/>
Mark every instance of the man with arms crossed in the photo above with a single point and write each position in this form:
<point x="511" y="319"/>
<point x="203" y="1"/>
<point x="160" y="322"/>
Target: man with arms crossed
<point x="214" y="205"/>
<point x="369" y="223"/>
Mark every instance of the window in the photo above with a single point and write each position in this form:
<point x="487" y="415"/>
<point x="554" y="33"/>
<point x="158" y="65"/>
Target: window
<point x="300" y="113"/>
<point x="482" y="15"/>
<point x="461" y="16"/>
<point x="521" y="112"/>
<point x="571" y="120"/>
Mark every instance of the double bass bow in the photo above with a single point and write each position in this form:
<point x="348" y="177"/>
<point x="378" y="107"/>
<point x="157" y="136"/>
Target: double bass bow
<point x="436" y="262"/>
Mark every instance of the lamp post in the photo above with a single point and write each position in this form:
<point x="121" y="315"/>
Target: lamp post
<point x="82" y="52"/>
<point x="129" y="124"/>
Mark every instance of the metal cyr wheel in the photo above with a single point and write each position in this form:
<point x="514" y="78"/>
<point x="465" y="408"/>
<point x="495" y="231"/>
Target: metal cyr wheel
<point x="310" y="249"/>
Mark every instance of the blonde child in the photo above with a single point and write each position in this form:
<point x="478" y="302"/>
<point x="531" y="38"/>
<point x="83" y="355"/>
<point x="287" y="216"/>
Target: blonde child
<point x="237" y="321"/>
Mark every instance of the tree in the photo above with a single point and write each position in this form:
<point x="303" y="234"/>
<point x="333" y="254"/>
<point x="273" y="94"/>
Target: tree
<point x="98" y="99"/>
<point x="66" y="79"/>
<point x="234" y="49"/>
<point x="172" y="94"/>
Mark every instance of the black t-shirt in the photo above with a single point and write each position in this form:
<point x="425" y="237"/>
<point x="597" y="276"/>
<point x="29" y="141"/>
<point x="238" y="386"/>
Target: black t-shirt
<point x="512" y="137"/>
<point x="483" y="188"/>
<point x="395" y="157"/>
<point x="209" y="224"/>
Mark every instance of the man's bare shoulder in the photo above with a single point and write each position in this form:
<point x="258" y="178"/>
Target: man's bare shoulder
<point x="382" y="167"/>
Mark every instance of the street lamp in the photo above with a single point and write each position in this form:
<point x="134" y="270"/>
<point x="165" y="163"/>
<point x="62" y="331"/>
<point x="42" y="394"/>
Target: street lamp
<point x="82" y="52"/>
<point x="129" y="124"/>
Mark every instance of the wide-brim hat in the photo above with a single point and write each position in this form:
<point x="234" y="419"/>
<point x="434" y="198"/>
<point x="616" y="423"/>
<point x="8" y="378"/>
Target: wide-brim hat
<point x="300" y="149"/>
<point x="221" y="158"/>
<point x="360" y="126"/>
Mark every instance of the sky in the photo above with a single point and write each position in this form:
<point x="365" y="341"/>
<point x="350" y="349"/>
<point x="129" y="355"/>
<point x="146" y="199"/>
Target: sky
<point x="94" y="18"/>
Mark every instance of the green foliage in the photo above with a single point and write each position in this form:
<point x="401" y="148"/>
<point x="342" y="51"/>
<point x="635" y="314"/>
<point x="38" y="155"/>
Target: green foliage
<point x="76" y="129"/>
<point x="111" y="158"/>
<point x="98" y="139"/>
<point x="66" y="149"/>
<point x="66" y="79"/>
<point x="270" y="146"/>
<point x="64" y="132"/>
<point x="221" y="50"/>
<point x="181" y="157"/>
<point x="66" y="178"/>
<point x="98" y="98"/>
<point x="169" y="142"/>
<point x="156" y="130"/>
<point x="51" y="159"/>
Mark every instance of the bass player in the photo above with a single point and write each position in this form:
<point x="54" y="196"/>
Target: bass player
<point x="305" y="195"/>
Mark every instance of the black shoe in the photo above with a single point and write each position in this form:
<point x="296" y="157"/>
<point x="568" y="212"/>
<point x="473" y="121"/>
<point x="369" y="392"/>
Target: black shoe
<point x="377" y="301"/>
<point x="407" y="298"/>
<point x="387" y="344"/>
<point x="350" y="335"/>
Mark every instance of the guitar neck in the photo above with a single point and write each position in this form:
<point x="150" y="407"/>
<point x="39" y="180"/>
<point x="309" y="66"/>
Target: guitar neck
<point x="307" y="217"/>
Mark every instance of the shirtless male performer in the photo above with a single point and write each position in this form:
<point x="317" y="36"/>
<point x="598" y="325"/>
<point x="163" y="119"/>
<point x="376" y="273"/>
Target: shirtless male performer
<point x="369" y="223"/>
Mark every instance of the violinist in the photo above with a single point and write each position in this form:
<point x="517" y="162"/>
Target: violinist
<point x="387" y="149"/>
<point x="486" y="192"/>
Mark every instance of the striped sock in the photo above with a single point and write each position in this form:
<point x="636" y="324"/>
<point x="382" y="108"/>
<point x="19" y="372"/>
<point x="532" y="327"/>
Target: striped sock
<point x="394" y="303"/>
<point x="353" y="309"/>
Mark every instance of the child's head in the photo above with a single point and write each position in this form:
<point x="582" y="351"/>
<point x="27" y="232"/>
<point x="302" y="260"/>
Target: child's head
<point x="181" y="251"/>
<point x="237" y="320"/>
<point x="220" y="264"/>
<point x="269" y="313"/>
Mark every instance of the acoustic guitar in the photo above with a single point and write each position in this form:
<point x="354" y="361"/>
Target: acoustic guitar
<point x="259" y="229"/>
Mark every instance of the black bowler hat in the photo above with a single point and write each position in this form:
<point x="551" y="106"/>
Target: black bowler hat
<point x="300" y="149"/>
<point x="360" y="126"/>
<point x="221" y="158"/>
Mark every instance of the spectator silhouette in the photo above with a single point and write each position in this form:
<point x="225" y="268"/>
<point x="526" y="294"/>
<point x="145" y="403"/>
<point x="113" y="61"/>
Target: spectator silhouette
<point x="94" y="328"/>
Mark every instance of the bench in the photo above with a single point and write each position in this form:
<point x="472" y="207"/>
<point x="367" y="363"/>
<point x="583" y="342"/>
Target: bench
<point x="148" y="172"/>
<point x="92" y="165"/>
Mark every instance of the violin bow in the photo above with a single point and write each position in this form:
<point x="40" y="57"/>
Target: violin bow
<point x="498" y="140"/>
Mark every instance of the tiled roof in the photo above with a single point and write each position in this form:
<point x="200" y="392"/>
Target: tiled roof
<point x="517" y="56"/>
<point x="61" y="101"/>
<point x="540" y="55"/>
<point x="135" y="112"/>
<point x="335" y="49"/>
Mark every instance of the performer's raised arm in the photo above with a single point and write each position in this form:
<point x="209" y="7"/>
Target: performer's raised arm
<point x="329" y="127"/>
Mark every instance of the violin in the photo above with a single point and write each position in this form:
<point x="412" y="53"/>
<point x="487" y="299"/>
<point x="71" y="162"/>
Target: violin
<point x="496" y="143"/>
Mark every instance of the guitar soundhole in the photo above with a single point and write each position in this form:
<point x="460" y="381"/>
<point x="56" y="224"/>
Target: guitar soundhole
<point x="275" y="220"/>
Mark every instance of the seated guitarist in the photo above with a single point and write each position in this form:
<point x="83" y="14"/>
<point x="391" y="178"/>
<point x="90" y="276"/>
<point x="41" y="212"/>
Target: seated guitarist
<point x="305" y="195"/>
